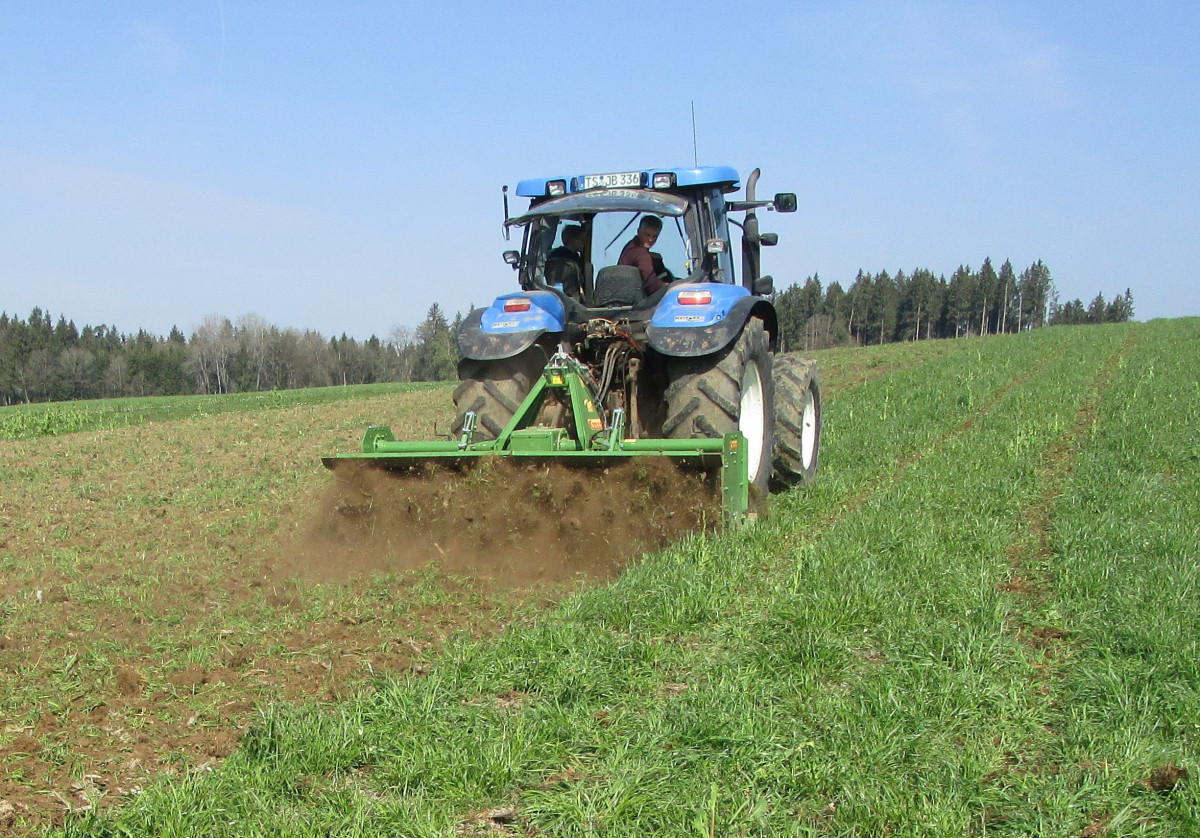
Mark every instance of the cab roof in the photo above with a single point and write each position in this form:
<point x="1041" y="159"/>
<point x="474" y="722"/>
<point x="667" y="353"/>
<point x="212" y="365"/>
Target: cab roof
<point x="606" y="200"/>
<point x="724" y="176"/>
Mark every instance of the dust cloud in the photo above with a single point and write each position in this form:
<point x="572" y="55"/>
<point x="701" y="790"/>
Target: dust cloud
<point x="513" y="524"/>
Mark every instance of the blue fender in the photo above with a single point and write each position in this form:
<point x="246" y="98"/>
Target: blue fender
<point x="706" y="325"/>
<point x="508" y="327"/>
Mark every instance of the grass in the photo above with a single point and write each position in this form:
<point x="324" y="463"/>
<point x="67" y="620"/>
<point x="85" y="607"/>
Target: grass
<point x="28" y="421"/>
<point x="1126" y="549"/>
<point x="981" y="621"/>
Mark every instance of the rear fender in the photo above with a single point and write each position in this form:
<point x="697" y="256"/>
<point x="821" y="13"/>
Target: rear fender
<point x="492" y="333"/>
<point x="684" y="330"/>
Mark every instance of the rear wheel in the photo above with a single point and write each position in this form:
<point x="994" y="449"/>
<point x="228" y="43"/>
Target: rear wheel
<point x="797" y="421"/>
<point x="731" y="390"/>
<point x="494" y="390"/>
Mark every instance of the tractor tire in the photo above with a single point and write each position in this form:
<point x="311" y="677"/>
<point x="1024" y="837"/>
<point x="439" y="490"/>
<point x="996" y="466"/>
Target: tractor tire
<point x="494" y="390"/>
<point x="797" y="421"/>
<point x="731" y="390"/>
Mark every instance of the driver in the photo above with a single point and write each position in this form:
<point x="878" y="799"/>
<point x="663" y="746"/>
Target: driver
<point x="637" y="254"/>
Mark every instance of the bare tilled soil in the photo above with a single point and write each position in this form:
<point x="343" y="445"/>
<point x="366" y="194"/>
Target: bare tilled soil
<point x="514" y="524"/>
<point x="160" y="585"/>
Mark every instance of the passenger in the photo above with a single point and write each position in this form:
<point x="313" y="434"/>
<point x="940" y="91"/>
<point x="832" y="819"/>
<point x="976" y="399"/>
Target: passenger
<point x="564" y="264"/>
<point x="637" y="253"/>
<point x="571" y="248"/>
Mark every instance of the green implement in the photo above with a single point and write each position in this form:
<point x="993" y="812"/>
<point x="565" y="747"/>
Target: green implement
<point x="583" y="437"/>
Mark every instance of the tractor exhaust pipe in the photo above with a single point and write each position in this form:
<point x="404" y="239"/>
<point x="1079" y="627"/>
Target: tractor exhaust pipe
<point x="751" y="244"/>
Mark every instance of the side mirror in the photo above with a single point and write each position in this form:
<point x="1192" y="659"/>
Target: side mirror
<point x="513" y="257"/>
<point x="764" y="286"/>
<point x="785" y="202"/>
<point x="768" y="239"/>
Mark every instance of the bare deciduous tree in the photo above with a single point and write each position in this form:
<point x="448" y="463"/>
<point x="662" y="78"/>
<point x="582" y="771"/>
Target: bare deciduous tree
<point x="209" y="350"/>
<point x="116" y="375"/>
<point x="76" y="366"/>
<point x="253" y="333"/>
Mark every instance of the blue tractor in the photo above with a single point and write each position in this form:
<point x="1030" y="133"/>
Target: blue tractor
<point x="658" y="360"/>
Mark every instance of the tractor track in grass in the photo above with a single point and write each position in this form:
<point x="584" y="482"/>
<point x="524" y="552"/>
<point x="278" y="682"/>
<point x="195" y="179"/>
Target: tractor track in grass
<point x="1048" y="643"/>
<point x="963" y="427"/>
<point x="876" y="484"/>
<point x="842" y="377"/>
<point x="1029" y="555"/>
<point x="1034" y="549"/>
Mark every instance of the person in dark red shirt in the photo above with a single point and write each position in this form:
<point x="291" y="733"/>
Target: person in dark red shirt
<point x="637" y="253"/>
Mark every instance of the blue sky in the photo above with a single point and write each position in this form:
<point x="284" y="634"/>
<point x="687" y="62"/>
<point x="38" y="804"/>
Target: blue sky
<point x="338" y="166"/>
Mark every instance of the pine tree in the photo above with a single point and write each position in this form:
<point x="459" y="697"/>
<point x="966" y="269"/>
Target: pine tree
<point x="1007" y="286"/>
<point x="1036" y="294"/>
<point x="437" y="356"/>
<point x="885" y="303"/>
<point x="986" y="297"/>
<point x="858" y="302"/>
<point x="1120" y="310"/>
<point x="960" y="300"/>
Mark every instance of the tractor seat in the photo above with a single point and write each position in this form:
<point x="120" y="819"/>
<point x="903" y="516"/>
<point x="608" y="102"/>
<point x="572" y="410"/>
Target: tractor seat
<point x="567" y="274"/>
<point x="618" y="285"/>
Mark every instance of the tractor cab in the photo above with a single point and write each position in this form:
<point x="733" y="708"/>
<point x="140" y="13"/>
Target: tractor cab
<point x="694" y="244"/>
<point x="601" y="225"/>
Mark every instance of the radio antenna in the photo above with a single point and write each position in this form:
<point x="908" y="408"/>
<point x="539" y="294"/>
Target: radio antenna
<point x="695" y="153"/>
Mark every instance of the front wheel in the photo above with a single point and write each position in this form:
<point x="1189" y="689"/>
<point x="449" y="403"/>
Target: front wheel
<point x="797" y="421"/>
<point x="729" y="391"/>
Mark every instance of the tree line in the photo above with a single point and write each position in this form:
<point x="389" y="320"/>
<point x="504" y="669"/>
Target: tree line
<point x="882" y="308"/>
<point x="42" y="359"/>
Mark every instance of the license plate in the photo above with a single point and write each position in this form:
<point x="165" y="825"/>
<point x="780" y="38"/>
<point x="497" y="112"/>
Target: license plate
<point x="613" y="180"/>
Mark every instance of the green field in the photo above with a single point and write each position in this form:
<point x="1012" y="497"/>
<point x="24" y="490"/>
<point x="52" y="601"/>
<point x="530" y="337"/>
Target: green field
<point x="983" y="619"/>
<point x="28" y="421"/>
